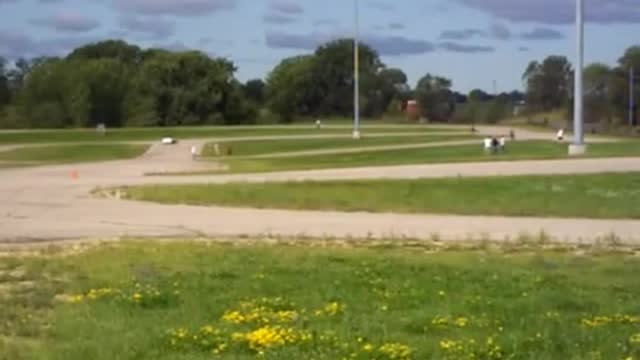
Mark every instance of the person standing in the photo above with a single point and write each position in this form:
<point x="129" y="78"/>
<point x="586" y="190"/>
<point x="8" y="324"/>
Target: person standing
<point x="487" y="144"/>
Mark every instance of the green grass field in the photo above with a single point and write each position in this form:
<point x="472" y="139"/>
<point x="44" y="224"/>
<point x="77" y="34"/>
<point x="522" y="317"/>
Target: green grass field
<point x="608" y="196"/>
<point x="203" y="301"/>
<point x="522" y="150"/>
<point x="64" y="154"/>
<point x="262" y="147"/>
<point x="155" y="134"/>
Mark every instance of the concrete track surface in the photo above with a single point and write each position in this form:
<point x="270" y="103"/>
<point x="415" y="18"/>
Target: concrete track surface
<point x="48" y="203"/>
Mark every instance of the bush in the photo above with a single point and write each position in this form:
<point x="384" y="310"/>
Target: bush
<point x="10" y="119"/>
<point x="487" y="112"/>
<point x="48" y="115"/>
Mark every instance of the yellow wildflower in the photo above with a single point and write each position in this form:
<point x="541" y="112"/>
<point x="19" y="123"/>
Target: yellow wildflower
<point x="440" y="321"/>
<point x="396" y="351"/>
<point x="448" y="344"/>
<point x="74" y="299"/>
<point x="598" y="321"/>
<point x="461" y="322"/>
<point x="331" y="309"/>
<point x="234" y="317"/>
<point x="268" y="337"/>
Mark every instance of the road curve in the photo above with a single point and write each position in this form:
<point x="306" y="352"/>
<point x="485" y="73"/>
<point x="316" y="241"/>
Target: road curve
<point x="48" y="203"/>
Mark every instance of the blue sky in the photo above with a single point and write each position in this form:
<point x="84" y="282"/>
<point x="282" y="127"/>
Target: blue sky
<point x="473" y="42"/>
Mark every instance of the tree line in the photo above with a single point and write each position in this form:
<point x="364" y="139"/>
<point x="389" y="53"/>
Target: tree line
<point x="607" y="89"/>
<point x="120" y="84"/>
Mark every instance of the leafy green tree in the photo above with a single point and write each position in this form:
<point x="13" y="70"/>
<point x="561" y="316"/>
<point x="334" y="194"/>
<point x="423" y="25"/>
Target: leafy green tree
<point x="80" y="93"/>
<point x="394" y="76"/>
<point x="598" y="81"/>
<point x="630" y="58"/>
<point x="332" y="91"/>
<point x="109" y="49"/>
<point x="22" y="68"/>
<point x="53" y="96"/>
<point x="435" y="97"/>
<point x="498" y="109"/>
<point x="322" y="84"/>
<point x="393" y="91"/>
<point x="108" y="83"/>
<point x="255" y="90"/>
<point x="478" y="95"/>
<point x="548" y="83"/>
<point x="619" y="88"/>
<point x="289" y="87"/>
<point x="5" y="91"/>
<point x="17" y="75"/>
<point x="118" y="84"/>
<point x="237" y="109"/>
<point x="185" y="88"/>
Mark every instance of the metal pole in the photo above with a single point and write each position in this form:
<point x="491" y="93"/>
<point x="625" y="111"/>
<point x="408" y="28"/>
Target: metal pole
<point x="356" y="73"/>
<point x="631" y="96"/>
<point x="578" y="113"/>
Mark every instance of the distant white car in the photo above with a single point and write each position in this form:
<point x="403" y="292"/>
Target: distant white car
<point x="169" y="141"/>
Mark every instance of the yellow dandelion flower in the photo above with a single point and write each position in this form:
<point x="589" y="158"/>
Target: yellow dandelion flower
<point x="396" y="351"/>
<point x="461" y="322"/>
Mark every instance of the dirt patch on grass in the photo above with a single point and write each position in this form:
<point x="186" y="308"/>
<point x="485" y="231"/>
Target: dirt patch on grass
<point x="609" y="244"/>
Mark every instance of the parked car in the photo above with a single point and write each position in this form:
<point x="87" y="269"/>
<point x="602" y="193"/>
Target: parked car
<point x="169" y="141"/>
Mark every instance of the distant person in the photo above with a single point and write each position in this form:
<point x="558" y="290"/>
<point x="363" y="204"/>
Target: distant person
<point x="101" y="129"/>
<point x="560" y="135"/>
<point x="318" y="124"/>
<point x="495" y="144"/>
<point x="512" y="134"/>
<point x="502" y="142"/>
<point x="194" y="152"/>
<point x="487" y="144"/>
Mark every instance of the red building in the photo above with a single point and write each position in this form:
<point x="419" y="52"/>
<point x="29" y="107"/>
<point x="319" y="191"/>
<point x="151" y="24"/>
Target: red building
<point x="412" y="110"/>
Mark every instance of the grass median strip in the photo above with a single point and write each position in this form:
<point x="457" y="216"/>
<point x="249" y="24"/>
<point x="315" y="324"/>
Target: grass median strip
<point x="263" y="147"/>
<point x="520" y="150"/>
<point x="200" y="301"/>
<point x="605" y="196"/>
<point x="62" y="154"/>
<point x="155" y="134"/>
